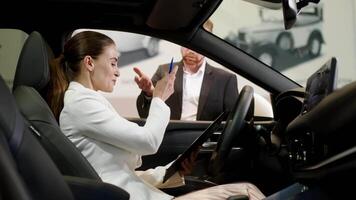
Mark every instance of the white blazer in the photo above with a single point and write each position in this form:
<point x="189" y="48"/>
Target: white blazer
<point x="114" y="145"/>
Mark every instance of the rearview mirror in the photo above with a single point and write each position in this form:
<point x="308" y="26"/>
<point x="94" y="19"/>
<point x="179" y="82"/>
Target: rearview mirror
<point x="291" y="8"/>
<point x="290" y="13"/>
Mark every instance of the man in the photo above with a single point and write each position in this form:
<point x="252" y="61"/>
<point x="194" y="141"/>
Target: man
<point x="201" y="91"/>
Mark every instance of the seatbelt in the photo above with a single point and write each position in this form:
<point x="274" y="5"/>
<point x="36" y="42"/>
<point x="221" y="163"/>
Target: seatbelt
<point x="17" y="135"/>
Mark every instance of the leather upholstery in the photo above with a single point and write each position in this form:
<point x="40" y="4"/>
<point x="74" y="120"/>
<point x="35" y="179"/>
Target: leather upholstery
<point x="39" y="173"/>
<point x="33" y="67"/>
<point x="66" y="156"/>
<point x="11" y="183"/>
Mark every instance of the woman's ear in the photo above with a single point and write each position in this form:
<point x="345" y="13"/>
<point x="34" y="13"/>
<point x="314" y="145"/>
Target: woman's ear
<point x="89" y="63"/>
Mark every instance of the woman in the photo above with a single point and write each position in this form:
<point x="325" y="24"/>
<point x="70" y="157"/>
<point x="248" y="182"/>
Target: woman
<point x="112" y="144"/>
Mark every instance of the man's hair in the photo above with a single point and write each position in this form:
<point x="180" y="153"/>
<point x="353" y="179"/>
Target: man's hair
<point x="208" y="25"/>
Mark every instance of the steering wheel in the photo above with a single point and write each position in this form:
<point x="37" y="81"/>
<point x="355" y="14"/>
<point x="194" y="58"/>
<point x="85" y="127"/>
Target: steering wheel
<point x="232" y="131"/>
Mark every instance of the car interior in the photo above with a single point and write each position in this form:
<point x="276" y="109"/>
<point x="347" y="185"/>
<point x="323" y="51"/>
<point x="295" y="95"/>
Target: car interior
<point x="305" y="151"/>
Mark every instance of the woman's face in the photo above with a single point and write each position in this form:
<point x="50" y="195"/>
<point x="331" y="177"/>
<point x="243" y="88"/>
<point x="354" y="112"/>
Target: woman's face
<point x="105" y="72"/>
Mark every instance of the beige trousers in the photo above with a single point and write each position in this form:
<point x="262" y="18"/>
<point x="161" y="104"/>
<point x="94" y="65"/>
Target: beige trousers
<point x="222" y="192"/>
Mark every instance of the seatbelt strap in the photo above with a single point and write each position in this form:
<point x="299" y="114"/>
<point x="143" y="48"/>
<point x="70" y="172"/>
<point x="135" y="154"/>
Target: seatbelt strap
<point x="17" y="135"/>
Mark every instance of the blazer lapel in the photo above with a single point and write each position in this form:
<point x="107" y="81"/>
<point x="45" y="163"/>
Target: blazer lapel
<point x="205" y="88"/>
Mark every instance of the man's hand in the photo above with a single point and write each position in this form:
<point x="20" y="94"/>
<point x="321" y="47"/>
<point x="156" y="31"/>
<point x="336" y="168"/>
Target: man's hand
<point x="144" y="82"/>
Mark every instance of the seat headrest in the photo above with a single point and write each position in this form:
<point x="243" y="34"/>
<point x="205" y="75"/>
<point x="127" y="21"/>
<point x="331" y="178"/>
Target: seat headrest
<point x="33" y="64"/>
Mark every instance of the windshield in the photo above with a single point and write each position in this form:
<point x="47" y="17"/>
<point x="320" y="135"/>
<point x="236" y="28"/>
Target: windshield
<point x="322" y="31"/>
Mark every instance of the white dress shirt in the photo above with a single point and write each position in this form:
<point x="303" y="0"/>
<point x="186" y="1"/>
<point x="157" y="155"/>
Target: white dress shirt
<point x="114" y="145"/>
<point x="191" y="91"/>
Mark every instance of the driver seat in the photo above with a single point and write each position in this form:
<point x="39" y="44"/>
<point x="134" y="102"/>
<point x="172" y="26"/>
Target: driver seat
<point x="27" y="172"/>
<point x="31" y="78"/>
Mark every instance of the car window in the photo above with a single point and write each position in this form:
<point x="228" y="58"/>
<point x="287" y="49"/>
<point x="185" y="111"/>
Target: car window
<point x="147" y="53"/>
<point x="11" y="42"/>
<point x="321" y="31"/>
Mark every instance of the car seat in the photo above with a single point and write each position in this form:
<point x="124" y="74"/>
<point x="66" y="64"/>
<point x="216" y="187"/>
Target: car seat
<point x="31" y="77"/>
<point x="39" y="173"/>
<point x="12" y="185"/>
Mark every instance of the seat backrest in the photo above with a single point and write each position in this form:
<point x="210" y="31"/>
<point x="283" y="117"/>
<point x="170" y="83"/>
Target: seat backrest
<point x="32" y="76"/>
<point x="36" y="168"/>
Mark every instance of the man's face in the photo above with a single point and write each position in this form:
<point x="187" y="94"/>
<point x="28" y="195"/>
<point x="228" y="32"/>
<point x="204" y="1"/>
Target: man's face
<point x="191" y="59"/>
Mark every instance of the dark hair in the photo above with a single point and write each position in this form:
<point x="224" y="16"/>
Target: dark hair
<point x="67" y="66"/>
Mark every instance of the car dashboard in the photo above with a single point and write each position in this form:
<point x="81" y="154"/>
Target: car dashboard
<point x="316" y="128"/>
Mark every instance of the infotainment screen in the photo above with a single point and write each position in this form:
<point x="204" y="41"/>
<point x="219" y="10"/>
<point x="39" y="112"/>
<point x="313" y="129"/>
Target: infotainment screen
<point x="320" y="84"/>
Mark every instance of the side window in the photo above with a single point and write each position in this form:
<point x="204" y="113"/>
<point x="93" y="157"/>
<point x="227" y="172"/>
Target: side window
<point x="262" y="98"/>
<point x="148" y="53"/>
<point x="11" y="42"/>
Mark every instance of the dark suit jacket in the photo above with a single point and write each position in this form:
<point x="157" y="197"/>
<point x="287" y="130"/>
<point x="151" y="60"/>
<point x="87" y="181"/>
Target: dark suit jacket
<point x="218" y="93"/>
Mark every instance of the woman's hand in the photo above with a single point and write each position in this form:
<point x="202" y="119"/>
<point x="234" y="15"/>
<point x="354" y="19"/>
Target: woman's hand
<point x="188" y="164"/>
<point x="165" y="87"/>
<point x="144" y="82"/>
